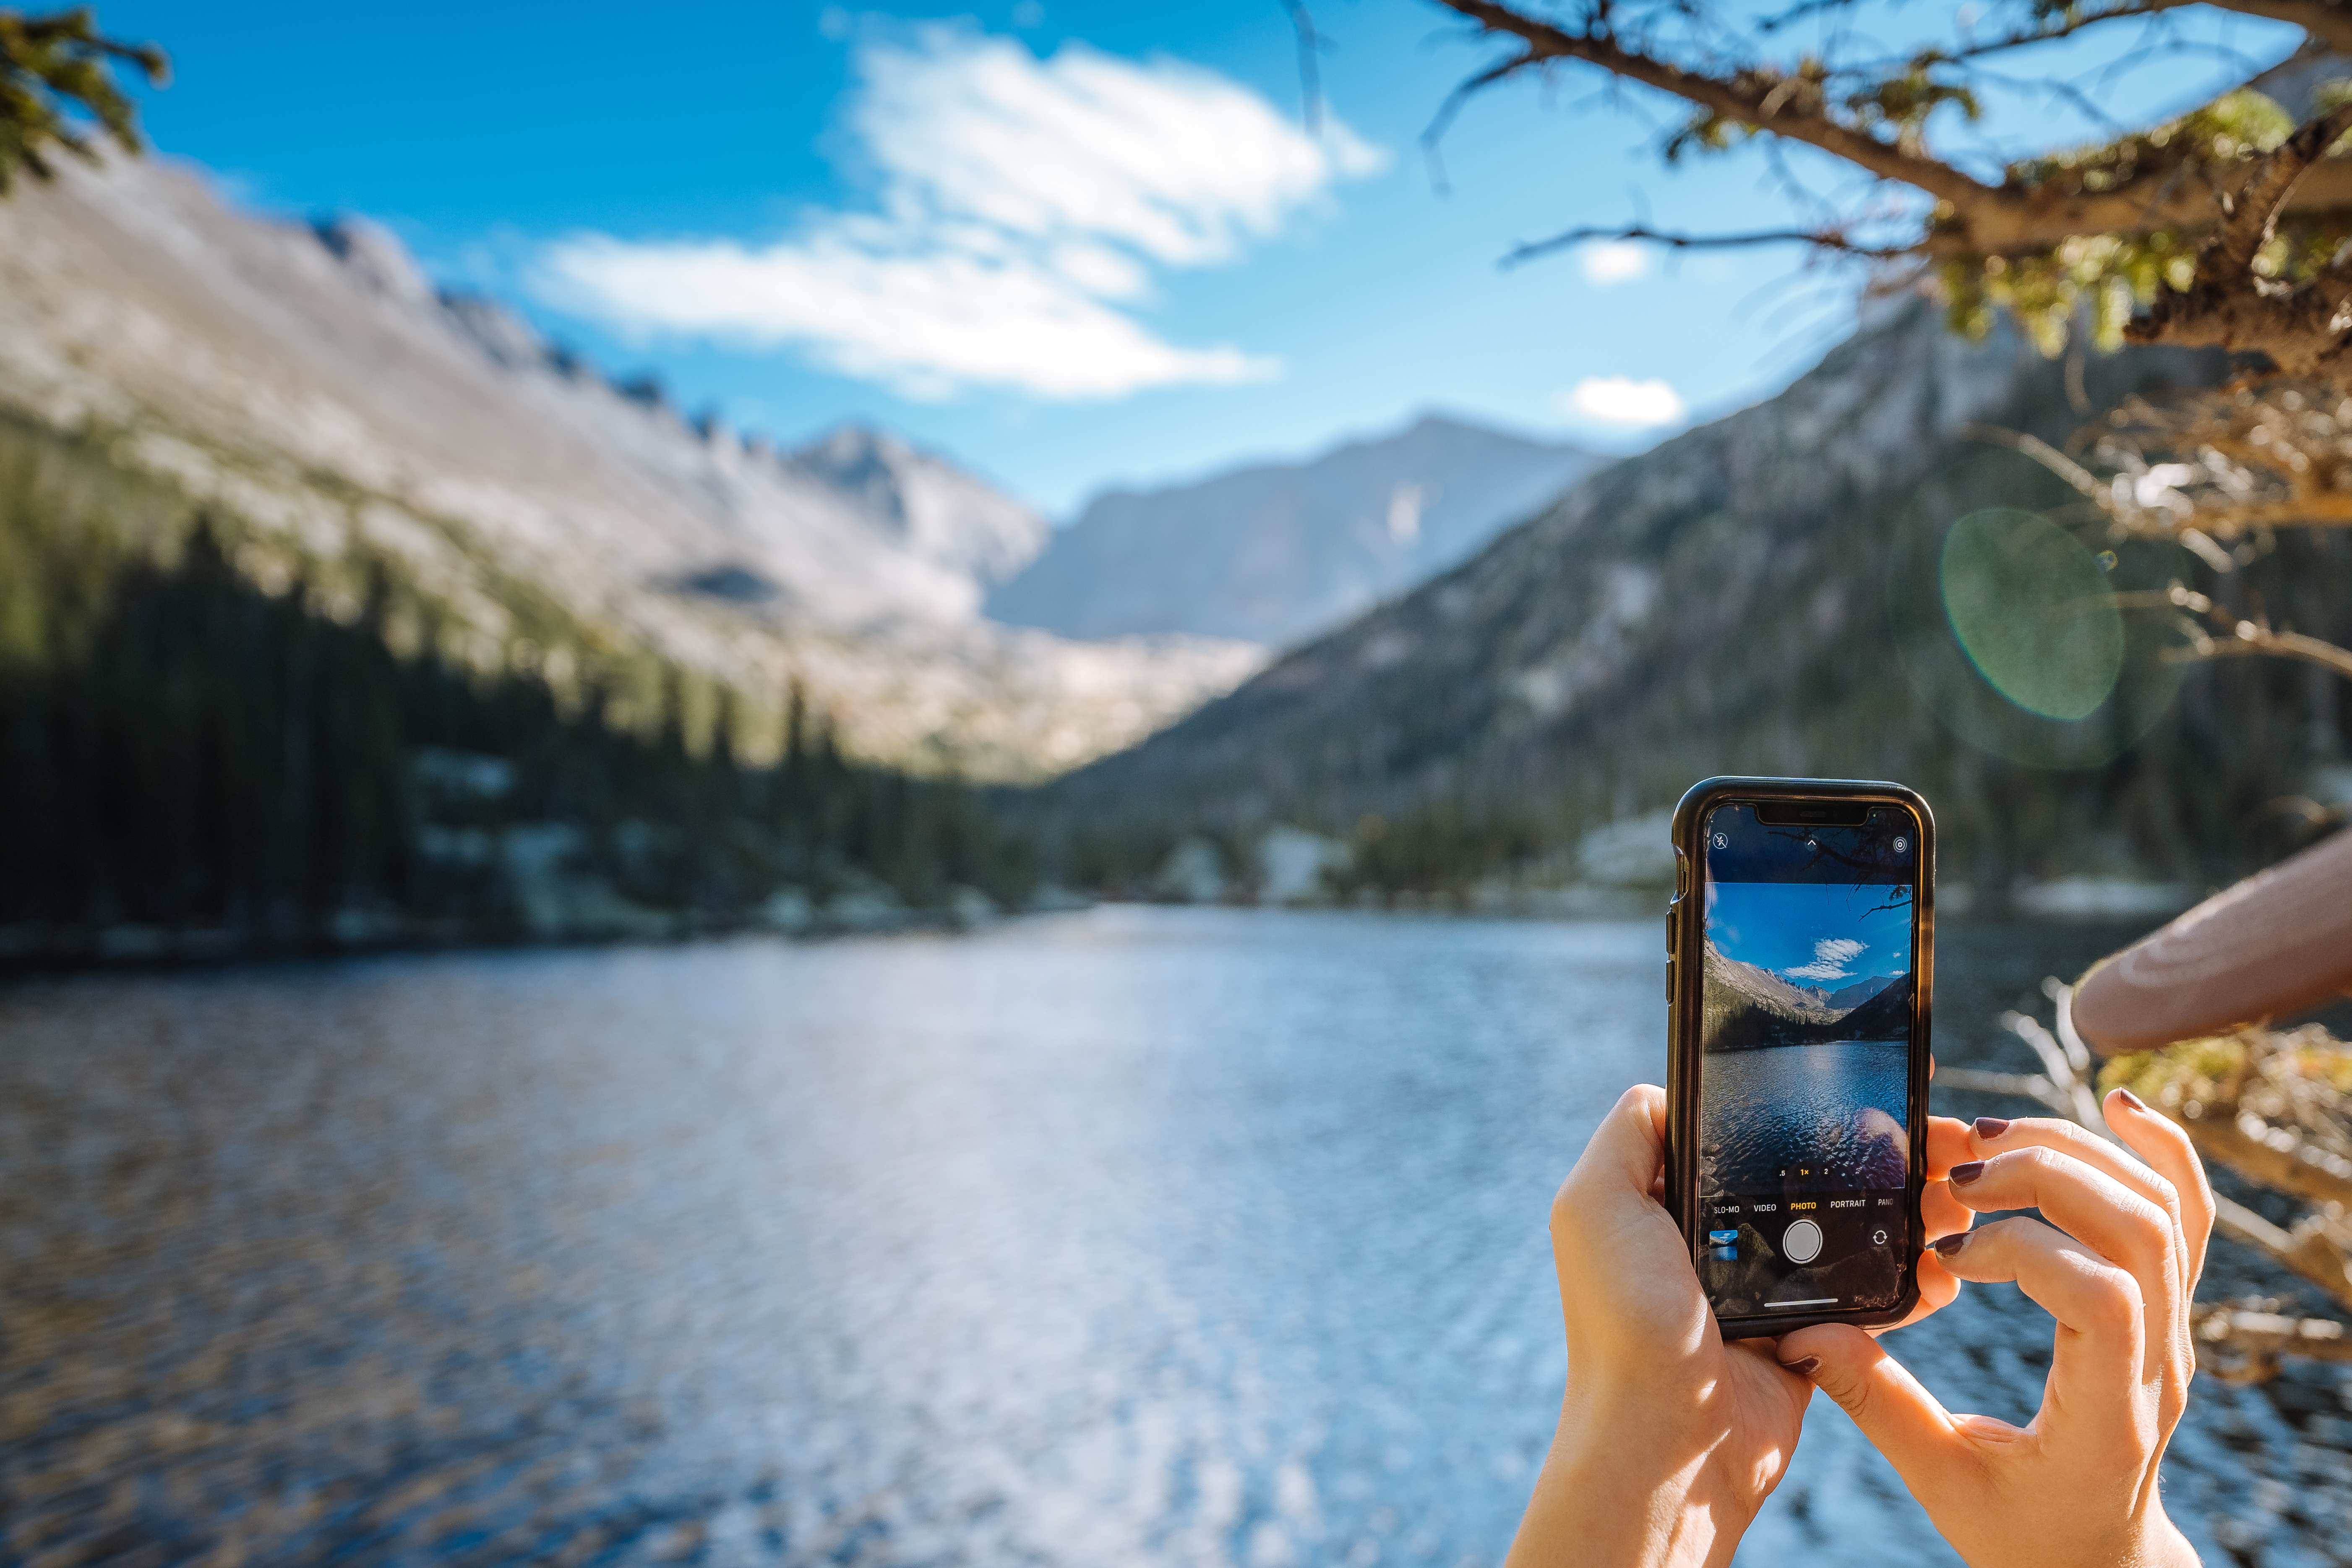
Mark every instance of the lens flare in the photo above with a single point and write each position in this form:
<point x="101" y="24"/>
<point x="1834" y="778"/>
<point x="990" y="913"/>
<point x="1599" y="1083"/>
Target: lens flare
<point x="2034" y="611"/>
<point x="1945" y="636"/>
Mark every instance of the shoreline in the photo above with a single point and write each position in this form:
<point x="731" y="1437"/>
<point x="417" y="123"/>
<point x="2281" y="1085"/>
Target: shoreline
<point x="28" y="953"/>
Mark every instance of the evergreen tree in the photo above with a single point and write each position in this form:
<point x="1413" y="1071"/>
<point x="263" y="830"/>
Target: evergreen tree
<point x="180" y="749"/>
<point x="56" y="71"/>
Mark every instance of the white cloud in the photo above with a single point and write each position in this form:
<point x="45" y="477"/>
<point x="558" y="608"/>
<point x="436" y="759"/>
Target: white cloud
<point x="1831" y="957"/>
<point x="1621" y="400"/>
<point x="928" y="325"/>
<point x="1022" y="205"/>
<point x="1176" y="161"/>
<point x="1615" y="261"/>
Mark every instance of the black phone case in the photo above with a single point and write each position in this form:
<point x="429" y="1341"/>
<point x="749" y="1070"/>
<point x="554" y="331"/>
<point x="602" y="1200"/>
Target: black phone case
<point x="1687" y="933"/>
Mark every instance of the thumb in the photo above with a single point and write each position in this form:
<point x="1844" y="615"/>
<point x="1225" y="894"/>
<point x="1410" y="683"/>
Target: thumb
<point x="1629" y="1147"/>
<point x="1902" y="1420"/>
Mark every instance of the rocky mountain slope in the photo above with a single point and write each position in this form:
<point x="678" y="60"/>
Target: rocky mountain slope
<point x="1744" y="1007"/>
<point x="1884" y="1017"/>
<point x="1761" y="595"/>
<point x="1278" y="552"/>
<point x="1746" y="1004"/>
<point x="315" y="395"/>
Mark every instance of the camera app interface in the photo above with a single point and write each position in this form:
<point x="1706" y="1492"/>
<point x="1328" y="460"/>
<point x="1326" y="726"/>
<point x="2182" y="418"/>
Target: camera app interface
<point x="1805" y="1067"/>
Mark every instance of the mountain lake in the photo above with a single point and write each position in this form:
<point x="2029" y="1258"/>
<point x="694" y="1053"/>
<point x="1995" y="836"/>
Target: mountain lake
<point x="1135" y="1236"/>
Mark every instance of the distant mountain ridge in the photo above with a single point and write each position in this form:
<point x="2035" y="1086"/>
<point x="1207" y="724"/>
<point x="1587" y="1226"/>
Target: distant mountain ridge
<point x="1746" y="1007"/>
<point x="1747" y="598"/>
<point x="308" y="388"/>
<point x="1273" y="553"/>
<point x="1861" y="991"/>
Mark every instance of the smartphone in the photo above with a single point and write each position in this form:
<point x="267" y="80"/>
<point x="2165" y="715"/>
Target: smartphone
<point x="1800" y="951"/>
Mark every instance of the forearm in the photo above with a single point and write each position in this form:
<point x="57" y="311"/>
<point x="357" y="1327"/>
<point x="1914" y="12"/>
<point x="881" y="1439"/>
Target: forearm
<point x="1606" y="1500"/>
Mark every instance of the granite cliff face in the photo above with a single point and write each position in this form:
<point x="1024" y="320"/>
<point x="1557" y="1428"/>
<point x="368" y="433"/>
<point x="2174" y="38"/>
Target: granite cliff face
<point x="311" y="388"/>
<point x="1275" y="553"/>
<point x="1751" y="597"/>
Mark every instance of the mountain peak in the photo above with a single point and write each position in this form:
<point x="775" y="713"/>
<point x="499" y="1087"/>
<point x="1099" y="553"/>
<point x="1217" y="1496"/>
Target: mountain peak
<point x="1440" y="423"/>
<point x="930" y="506"/>
<point x="373" y="256"/>
<point x="1277" y="551"/>
<point x="501" y="333"/>
<point x="1746" y="597"/>
<point x="854" y="447"/>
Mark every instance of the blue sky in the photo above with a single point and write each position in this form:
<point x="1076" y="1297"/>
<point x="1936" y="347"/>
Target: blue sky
<point x="1815" y="933"/>
<point x="1071" y="245"/>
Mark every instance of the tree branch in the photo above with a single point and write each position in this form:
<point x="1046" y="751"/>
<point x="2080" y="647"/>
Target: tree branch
<point x="1310" y="75"/>
<point x="2325" y="20"/>
<point x="1977" y="219"/>
<point x="2249" y="638"/>
<point x="1822" y="239"/>
<point x="2238" y="1344"/>
<point x="2067" y="26"/>
<point x="2043" y="453"/>
<point x="2025" y="1086"/>
<point x="1763" y="100"/>
<point x="2195" y="524"/>
<point x="2253" y="210"/>
<point x="2329" y="22"/>
<point x="2070" y="1080"/>
<point x="1447" y="110"/>
<point x="2278" y="1156"/>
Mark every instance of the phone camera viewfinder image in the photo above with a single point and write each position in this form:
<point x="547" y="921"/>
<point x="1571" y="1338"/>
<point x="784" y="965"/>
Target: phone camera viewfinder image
<point x="1806" y="1019"/>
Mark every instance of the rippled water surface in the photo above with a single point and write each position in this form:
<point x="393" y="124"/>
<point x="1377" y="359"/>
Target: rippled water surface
<point x="1837" y="1108"/>
<point x="1136" y="1236"/>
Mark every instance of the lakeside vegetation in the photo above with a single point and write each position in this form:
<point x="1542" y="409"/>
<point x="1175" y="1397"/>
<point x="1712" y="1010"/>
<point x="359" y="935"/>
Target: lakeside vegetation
<point x="216" y="765"/>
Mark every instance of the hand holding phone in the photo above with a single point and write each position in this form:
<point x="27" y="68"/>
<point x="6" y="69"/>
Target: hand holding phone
<point x="1680" y="1417"/>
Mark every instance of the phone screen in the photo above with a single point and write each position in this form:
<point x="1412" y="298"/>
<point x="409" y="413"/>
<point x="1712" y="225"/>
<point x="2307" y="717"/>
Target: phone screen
<point x="1804" y="1062"/>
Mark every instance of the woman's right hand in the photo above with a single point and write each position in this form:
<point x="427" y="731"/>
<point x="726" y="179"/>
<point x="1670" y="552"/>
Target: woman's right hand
<point x="2079" y="1485"/>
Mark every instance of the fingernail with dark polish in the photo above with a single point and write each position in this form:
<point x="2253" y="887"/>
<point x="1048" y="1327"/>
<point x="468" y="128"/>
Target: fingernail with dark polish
<point x="1804" y="1368"/>
<point x="1946" y="1245"/>
<point x="1961" y="1176"/>
<point x="2134" y="1102"/>
<point x="1991" y="1126"/>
